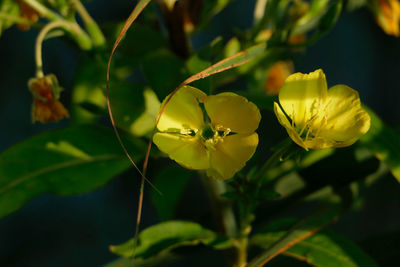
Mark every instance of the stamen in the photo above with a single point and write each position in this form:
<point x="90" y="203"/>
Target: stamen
<point x="294" y="114"/>
<point x="187" y="131"/>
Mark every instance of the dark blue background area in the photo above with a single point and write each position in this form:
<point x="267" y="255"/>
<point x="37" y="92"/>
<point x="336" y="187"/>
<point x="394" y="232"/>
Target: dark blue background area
<point x="77" y="230"/>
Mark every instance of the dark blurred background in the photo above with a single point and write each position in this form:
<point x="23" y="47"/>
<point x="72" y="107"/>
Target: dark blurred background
<point x="77" y="230"/>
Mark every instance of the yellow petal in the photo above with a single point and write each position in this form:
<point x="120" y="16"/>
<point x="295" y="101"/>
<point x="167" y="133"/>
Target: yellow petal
<point x="290" y="130"/>
<point x="231" y="155"/>
<point x="302" y="94"/>
<point x="183" y="110"/>
<point x="233" y="111"/>
<point x="346" y="120"/>
<point x="186" y="150"/>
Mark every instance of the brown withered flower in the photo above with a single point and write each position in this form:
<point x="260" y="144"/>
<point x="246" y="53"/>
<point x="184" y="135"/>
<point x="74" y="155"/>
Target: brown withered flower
<point x="46" y="106"/>
<point x="277" y="75"/>
<point x="28" y="13"/>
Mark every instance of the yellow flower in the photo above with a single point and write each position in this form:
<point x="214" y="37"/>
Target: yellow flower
<point x="318" y="118"/>
<point x="213" y="133"/>
<point x="387" y="15"/>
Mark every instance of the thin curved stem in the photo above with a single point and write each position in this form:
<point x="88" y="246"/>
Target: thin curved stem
<point x="39" y="41"/>
<point x="73" y="29"/>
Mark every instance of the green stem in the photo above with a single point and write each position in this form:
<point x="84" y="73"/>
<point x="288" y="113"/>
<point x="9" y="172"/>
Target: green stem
<point x="16" y="19"/>
<point x="80" y="36"/>
<point x="91" y="25"/>
<point x="39" y="42"/>
<point x="229" y="224"/>
<point x="43" y="10"/>
<point x="242" y="252"/>
<point x="227" y="215"/>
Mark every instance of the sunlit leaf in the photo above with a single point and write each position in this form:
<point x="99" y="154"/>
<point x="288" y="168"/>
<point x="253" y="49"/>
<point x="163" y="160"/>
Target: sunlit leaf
<point x="297" y="233"/>
<point x="310" y="20"/>
<point x="146" y="122"/>
<point x="164" y="237"/>
<point x="384" y="143"/>
<point x="69" y="161"/>
<point x="324" y="249"/>
<point x="87" y="90"/>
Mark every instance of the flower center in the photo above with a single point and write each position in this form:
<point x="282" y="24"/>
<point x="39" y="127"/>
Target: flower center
<point x="312" y="127"/>
<point x="211" y="135"/>
<point x="207" y="132"/>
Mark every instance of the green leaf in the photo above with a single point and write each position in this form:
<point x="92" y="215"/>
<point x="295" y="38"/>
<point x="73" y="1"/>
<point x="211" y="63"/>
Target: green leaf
<point x="327" y="22"/>
<point x="164" y="71"/>
<point x="331" y="16"/>
<point x="147" y="120"/>
<point x="324" y="249"/>
<point x="310" y="20"/>
<point x="163" y="237"/>
<point x="299" y="232"/>
<point x="384" y="143"/>
<point x="171" y="181"/>
<point x="87" y="90"/>
<point x="307" y="159"/>
<point x="352" y="5"/>
<point x="127" y="103"/>
<point x="140" y="41"/>
<point x="210" y="9"/>
<point x="8" y="8"/>
<point x="69" y="161"/>
<point x="232" y="47"/>
<point x="203" y="59"/>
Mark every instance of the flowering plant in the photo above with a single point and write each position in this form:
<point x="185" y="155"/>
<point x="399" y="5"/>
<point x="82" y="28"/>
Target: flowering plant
<point x="208" y="123"/>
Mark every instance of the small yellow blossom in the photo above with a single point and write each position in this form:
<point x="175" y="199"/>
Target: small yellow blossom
<point x="387" y="15"/>
<point x="46" y="106"/>
<point x="214" y="133"/>
<point x="318" y="118"/>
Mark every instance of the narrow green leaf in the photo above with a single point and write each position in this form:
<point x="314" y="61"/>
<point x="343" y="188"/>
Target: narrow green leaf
<point x="310" y="20"/>
<point x="384" y="143"/>
<point x="162" y="238"/>
<point x="231" y="62"/>
<point x="69" y="161"/>
<point x="300" y="231"/>
<point x="324" y="249"/>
